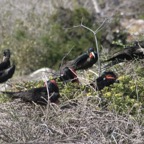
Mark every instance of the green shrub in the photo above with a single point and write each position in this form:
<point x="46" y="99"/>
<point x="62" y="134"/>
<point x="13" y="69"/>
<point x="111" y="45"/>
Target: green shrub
<point x="34" y="46"/>
<point x="127" y="96"/>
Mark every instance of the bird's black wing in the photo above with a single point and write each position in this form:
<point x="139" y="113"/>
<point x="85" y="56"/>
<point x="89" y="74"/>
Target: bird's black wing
<point x="7" y="74"/>
<point x="4" y="65"/>
<point x="120" y="57"/>
<point x="80" y="60"/>
<point x="38" y="95"/>
<point x="123" y="54"/>
<point x="89" y="63"/>
<point x="11" y="71"/>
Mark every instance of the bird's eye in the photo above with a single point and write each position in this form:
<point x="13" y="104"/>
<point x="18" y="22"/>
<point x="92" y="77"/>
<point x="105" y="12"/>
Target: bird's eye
<point x="104" y="78"/>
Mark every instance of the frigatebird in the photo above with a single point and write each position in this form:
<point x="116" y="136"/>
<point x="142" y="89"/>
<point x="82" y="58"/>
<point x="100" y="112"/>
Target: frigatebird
<point x="106" y="79"/>
<point x="136" y="51"/>
<point x="6" y="60"/>
<point x="39" y="95"/>
<point x="84" y="61"/>
<point x="7" y="74"/>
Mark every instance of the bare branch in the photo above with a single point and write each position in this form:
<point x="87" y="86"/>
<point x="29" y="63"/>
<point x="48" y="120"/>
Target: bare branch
<point x="101" y="26"/>
<point x="64" y="58"/>
<point x="96" y="6"/>
<point x="87" y="28"/>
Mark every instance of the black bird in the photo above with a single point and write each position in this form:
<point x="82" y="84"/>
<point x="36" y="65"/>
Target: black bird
<point x="69" y="74"/>
<point x="106" y="79"/>
<point x="84" y="61"/>
<point x="7" y="74"/>
<point x="6" y="60"/>
<point x="38" y="95"/>
<point x="129" y="53"/>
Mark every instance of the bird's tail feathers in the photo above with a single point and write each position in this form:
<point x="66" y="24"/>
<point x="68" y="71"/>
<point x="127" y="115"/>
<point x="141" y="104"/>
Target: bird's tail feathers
<point x="14" y="95"/>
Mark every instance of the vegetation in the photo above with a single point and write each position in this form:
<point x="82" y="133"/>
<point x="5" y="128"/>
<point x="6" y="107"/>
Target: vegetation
<point x="45" y="45"/>
<point x="83" y="115"/>
<point x="113" y="115"/>
<point x="49" y="47"/>
<point x="126" y="96"/>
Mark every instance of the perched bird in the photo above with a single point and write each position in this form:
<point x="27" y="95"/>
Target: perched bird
<point x="6" y="60"/>
<point x="106" y="79"/>
<point x="68" y="74"/>
<point x="7" y="74"/>
<point x="129" y="53"/>
<point x="84" y="61"/>
<point x="38" y="95"/>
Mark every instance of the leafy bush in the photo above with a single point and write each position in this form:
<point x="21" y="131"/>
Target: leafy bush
<point x="34" y="46"/>
<point x="126" y="96"/>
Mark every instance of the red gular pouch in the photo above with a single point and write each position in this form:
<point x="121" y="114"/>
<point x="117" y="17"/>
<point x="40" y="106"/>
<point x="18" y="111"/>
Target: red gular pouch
<point x="53" y="91"/>
<point x="92" y="55"/>
<point x="106" y="79"/>
<point x="110" y="77"/>
<point x="50" y="81"/>
<point x="93" y="58"/>
<point x="52" y="86"/>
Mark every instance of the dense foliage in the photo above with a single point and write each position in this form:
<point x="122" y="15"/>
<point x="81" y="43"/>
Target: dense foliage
<point x="37" y="43"/>
<point x="32" y="50"/>
<point x="126" y="96"/>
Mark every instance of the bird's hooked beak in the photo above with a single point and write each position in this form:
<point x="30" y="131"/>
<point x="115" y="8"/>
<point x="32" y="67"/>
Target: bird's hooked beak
<point x="91" y="55"/>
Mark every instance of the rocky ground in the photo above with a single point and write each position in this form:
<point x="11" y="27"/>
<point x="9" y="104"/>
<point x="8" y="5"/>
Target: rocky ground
<point x="26" y="123"/>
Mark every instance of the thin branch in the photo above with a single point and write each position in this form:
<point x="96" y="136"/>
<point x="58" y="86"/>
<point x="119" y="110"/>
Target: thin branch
<point x="64" y="58"/>
<point x="87" y="28"/>
<point x="101" y="26"/>
<point x="72" y="27"/>
<point x="96" y="42"/>
<point x="81" y="20"/>
<point x="45" y="79"/>
<point x="97" y="47"/>
<point x="99" y="67"/>
<point x="96" y="6"/>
